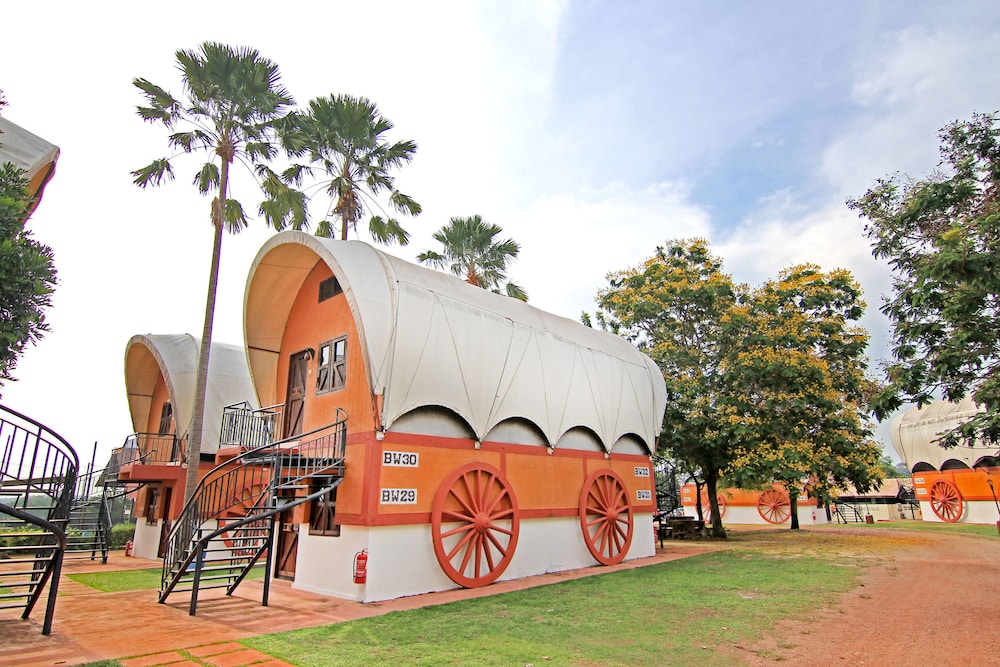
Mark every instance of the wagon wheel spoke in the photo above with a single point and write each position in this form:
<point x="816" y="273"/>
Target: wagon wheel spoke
<point x="469" y="535"/>
<point x="774" y="506"/>
<point x="946" y="501"/>
<point x="606" y="517"/>
<point x="479" y="549"/>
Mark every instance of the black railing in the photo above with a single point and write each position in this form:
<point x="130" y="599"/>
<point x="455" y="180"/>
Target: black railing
<point x="150" y="449"/>
<point x="848" y="512"/>
<point x="38" y="475"/>
<point x="248" y="427"/>
<point x="254" y="480"/>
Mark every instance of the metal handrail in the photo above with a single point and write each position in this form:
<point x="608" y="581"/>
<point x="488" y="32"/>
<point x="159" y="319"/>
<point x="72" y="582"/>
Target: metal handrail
<point x="249" y="427"/>
<point x="151" y="448"/>
<point x="196" y="555"/>
<point x="37" y="461"/>
<point x="252" y="472"/>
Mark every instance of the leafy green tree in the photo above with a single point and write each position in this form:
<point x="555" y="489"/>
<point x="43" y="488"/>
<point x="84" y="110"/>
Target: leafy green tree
<point x="232" y="98"/>
<point x="345" y="137"/>
<point x="798" y="384"/>
<point x="673" y="307"/>
<point x="27" y="272"/>
<point x="889" y="470"/>
<point x="941" y="236"/>
<point x="471" y="251"/>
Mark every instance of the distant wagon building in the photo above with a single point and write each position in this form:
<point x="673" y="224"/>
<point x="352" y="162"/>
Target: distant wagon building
<point x="951" y="485"/>
<point x="482" y="438"/>
<point x="160" y="375"/>
<point x="770" y="506"/>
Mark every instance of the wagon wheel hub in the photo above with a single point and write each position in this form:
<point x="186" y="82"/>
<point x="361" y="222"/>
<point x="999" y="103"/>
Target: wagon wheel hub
<point x="482" y="522"/>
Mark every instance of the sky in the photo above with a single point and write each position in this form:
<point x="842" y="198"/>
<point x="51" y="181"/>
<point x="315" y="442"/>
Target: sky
<point x="591" y="132"/>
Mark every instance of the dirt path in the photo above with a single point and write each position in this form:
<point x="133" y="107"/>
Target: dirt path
<point x="935" y="605"/>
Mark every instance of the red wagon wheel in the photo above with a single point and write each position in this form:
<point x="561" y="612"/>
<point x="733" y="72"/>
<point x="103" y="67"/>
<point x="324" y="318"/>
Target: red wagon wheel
<point x="774" y="506"/>
<point x="706" y="508"/>
<point x="946" y="501"/>
<point x="606" y="517"/>
<point x="475" y="523"/>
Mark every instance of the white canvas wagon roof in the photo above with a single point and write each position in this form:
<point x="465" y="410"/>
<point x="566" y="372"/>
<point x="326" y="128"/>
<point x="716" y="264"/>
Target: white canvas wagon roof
<point x="36" y="156"/>
<point x="915" y="431"/>
<point x="175" y="357"/>
<point x="430" y="339"/>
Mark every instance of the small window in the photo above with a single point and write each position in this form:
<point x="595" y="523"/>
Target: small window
<point x="322" y="515"/>
<point x="331" y="373"/>
<point x="329" y="288"/>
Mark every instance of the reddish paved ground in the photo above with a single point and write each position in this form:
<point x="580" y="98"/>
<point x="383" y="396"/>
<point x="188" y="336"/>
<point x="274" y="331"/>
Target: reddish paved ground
<point x="90" y="625"/>
<point x="934" y="605"/>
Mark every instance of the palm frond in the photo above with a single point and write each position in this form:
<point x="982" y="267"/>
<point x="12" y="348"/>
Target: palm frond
<point x="387" y="230"/>
<point x="154" y="173"/>
<point x="162" y="105"/>
<point x="293" y="174"/>
<point x="324" y="229"/>
<point x="207" y="178"/>
<point x="257" y="150"/>
<point x="516" y="292"/>
<point x="235" y="219"/>
<point x="284" y="206"/>
<point x="404" y="203"/>
<point x="184" y="140"/>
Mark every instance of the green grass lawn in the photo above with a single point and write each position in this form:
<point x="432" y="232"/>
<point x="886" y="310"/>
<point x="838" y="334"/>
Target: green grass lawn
<point x="691" y="611"/>
<point x="132" y="580"/>
<point x="990" y="530"/>
<point x="701" y="610"/>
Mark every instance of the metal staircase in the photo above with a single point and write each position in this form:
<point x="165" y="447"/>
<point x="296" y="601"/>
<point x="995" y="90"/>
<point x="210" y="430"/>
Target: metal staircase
<point x="89" y="534"/>
<point x="228" y="524"/>
<point x="848" y="512"/>
<point x="38" y="471"/>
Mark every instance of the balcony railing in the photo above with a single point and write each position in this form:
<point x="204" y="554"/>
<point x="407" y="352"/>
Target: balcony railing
<point x="150" y="449"/>
<point x="249" y="428"/>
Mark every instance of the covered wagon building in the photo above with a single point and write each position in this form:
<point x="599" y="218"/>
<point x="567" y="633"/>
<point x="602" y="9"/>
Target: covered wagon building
<point x="952" y="485"/>
<point x="160" y="373"/>
<point x="485" y="438"/>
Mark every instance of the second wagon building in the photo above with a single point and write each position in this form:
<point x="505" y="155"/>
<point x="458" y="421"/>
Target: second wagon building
<point x="485" y="438"/>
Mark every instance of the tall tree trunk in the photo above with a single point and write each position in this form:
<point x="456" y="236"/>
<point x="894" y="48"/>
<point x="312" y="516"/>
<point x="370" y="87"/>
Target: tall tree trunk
<point x="793" y="503"/>
<point x="698" y="486"/>
<point x="201" y="382"/>
<point x="711" y="487"/>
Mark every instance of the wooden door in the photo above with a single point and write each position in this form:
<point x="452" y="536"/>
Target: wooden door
<point x="166" y="523"/>
<point x="288" y="544"/>
<point x="295" y="401"/>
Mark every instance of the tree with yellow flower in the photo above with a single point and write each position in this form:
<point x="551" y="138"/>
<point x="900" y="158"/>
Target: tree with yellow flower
<point x="798" y="385"/>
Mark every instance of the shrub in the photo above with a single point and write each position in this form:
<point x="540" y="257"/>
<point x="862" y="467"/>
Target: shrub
<point x="121" y="534"/>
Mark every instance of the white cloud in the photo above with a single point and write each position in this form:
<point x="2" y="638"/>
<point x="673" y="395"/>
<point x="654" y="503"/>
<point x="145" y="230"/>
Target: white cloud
<point x="918" y="82"/>
<point x="573" y="240"/>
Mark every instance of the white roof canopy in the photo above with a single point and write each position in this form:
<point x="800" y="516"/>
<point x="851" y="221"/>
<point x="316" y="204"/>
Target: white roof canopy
<point x="29" y="152"/>
<point x="914" y="434"/>
<point x="175" y="357"/>
<point x="430" y="339"/>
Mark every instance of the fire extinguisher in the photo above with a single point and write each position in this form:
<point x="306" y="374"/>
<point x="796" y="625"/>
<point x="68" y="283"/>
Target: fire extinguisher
<point x="128" y="548"/>
<point x="361" y="566"/>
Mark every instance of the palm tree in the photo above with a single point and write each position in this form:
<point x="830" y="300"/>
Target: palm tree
<point x="472" y="252"/>
<point x="344" y="136"/>
<point x="232" y="97"/>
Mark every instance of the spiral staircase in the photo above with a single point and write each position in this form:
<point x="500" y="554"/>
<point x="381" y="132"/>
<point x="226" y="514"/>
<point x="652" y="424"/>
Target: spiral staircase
<point x="38" y="475"/>
<point x="228" y="525"/>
